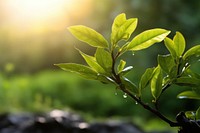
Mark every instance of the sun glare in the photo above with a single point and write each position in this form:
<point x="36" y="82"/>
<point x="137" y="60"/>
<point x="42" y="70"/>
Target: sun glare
<point x="41" y="13"/>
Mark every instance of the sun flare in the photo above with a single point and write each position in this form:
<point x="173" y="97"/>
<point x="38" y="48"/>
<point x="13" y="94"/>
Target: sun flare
<point x="41" y="13"/>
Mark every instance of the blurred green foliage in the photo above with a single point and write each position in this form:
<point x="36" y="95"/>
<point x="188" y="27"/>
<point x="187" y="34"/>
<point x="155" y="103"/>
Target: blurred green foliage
<point x="48" y="90"/>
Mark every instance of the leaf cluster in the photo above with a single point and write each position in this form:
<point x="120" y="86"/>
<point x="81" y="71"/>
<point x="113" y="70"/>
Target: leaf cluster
<point x="173" y="68"/>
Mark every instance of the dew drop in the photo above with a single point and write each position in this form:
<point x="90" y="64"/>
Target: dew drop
<point x="125" y="95"/>
<point x="116" y="94"/>
<point x="136" y="103"/>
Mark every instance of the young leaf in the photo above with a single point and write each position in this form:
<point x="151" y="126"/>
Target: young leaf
<point x="147" y="38"/>
<point x="156" y="83"/>
<point x="189" y="95"/>
<point x="121" y="66"/>
<point x="125" y="31"/>
<point x="82" y="70"/>
<point x="170" y="46"/>
<point x="122" y="28"/>
<point x="198" y="114"/>
<point x="88" y="36"/>
<point x="146" y="77"/>
<point x="190" y="115"/>
<point x="129" y="85"/>
<point x="105" y="79"/>
<point x="91" y="61"/>
<point x="118" y="21"/>
<point x="179" y="42"/>
<point x="126" y="70"/>
<point x="166" y="62"/>
<point x="193" y="54"/>
<point x="104" y="59"/>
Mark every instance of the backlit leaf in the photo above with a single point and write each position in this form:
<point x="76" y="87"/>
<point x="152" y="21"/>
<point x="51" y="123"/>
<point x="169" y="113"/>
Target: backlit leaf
<point x="156" y="83"/>
<point x="129" y="85"/>
<point x="121" y="66"/>
<point x="105" y="79"/>
<point x="88" y="36"/>
<point x="147" y="38"/>
<point x="91" y="61"/>
<point x="146" y="77"/>
<point x="198" y="114"/>
<point x="126" y="70"/>
<point x="190" y="115"/>
<point x="192" y="55"/>
<point x="166" y="62"/>
<point x="118" y="21"/>
<point x="125" y="31"/>
<point x="179" y="42"/>
<point x="170" y="46"/>
<point x="122" y="28"/>
<point x="189" y="95"/>
<point x="104" y="59"/>
<point x="82" y="70"/>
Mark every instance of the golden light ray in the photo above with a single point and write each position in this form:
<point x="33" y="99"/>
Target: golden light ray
<point x="38" y="14"/>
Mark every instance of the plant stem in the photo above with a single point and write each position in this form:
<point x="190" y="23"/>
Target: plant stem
<point x="146" y="106"/>
<point x="117" y="79"/>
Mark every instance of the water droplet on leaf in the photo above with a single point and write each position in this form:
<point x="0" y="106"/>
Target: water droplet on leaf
<point x="125" y="95"/>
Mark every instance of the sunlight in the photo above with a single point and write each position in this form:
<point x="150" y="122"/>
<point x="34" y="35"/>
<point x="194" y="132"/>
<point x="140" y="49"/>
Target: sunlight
<point x="37" y="14"/>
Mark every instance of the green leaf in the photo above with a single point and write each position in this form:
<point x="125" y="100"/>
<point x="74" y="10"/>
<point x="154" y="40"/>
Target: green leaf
<point x="129" y="85"/>
<point x="173" y="73"/>
<point x="126" y="70"/>
<point x="166" y="62"/>
<point x="91" y="61"/>
<point x="192" y="55"/>
<point x="145" y="79"/>
<point x="188" y="95"/>
<point x="147" y="38"/>
<point x="88" y="36"/>
<point x="170" y="46"/>
<point x="198" y="114"/>
<point x="121" y="66"/>
<point x="179" y="42"/>
<point x="82" y="70"/>
<point x="190" y="114"/>
<point x="187" y="81"/>
<point x="105" y="79"/>
<point x="190" y="73"/>
<point x="118" y="21"/>
<point x="126" y="30"/>
<point x="156" y="83"/>
<point x="122" y="28"/>
<point x="104" y="59"/>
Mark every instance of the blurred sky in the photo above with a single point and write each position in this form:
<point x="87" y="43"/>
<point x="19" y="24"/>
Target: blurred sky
<point x="34" y="35"/>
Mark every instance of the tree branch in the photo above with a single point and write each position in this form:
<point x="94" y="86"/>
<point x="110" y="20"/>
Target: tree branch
<point x="117" y="79"/>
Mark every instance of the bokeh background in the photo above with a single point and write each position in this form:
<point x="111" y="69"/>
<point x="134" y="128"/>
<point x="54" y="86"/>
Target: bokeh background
<point x="34" y="36"/>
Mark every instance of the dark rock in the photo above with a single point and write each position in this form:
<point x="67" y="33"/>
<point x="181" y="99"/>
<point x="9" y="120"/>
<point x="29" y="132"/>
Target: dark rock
<point x="59" y="121"/>
<point x="114" y="127"/>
